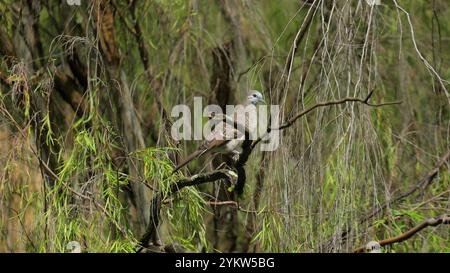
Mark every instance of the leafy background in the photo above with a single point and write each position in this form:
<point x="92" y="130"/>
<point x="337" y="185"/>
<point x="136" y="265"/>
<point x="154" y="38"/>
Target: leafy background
<point x="86" y="95"/>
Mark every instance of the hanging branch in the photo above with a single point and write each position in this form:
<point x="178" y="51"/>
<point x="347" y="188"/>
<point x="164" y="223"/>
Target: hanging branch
<point x="432" y="222"/>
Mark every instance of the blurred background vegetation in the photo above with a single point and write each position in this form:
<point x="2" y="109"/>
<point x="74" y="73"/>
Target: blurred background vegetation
<point x="87" y="91"/>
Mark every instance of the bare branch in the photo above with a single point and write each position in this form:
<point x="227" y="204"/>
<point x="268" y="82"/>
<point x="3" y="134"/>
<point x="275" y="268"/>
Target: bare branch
<point x="291" y="121"/>
<point x="432" y="222"/>
<point x="422" y="184"/>
<point x="329" y="103"/>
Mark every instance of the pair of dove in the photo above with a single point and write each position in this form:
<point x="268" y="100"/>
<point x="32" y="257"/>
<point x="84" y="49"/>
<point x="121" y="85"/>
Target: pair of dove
<point x="220" y="140"/>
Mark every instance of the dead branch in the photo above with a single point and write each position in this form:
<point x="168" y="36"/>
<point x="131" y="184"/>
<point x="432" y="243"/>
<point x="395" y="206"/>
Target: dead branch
<point x="329" y="103"/>
<point x="432" y="222"/>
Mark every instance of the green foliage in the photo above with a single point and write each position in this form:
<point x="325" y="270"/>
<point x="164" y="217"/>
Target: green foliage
<point x="107" y="144"/>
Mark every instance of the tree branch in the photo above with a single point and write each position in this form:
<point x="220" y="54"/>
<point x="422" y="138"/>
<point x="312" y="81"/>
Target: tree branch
<point x="432" y="222"/>
<point x="248" y="145"/>
<point x="291" y="121"/>
<point x="422" y="184"/>
<point x="247" y="148"/>
<point x="201" y="179"/>
<point x="155" y="206"/>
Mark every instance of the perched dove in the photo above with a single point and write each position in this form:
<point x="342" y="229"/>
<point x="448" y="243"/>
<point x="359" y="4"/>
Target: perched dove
<point x="225" y="137"/>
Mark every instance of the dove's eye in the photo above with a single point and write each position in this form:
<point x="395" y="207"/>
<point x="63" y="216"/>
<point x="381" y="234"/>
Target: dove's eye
<point x="254" y="95"/>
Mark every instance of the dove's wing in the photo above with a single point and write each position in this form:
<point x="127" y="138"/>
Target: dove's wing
<point x="221" y="135"/>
